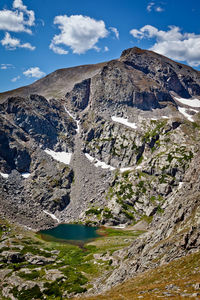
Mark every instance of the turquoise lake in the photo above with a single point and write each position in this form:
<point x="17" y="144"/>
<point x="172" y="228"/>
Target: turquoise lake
<point x="72" y="233"/>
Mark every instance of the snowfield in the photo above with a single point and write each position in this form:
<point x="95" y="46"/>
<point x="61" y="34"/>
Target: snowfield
<point x="26" y="175"/>
<point x="4" y="175"/>
<point x="103" y="165"/>
<point x="125" y="169"/>
<point x="124" y="122"/>
<point x="63" y="157"/>
<point x="189" y="102"/>
<point x="99" y="163"/>
<point x="183" y="111"/>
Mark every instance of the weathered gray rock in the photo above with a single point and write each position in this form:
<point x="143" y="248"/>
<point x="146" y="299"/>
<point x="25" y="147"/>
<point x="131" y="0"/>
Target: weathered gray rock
<point x="38" y="260"/>
<point x="12" y="257"/>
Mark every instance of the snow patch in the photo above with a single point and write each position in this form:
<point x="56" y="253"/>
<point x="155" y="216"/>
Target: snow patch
<point x="51" y="215"/>
<point x="129" y="169"/>
<point x="189" y="102"/>
<point x="125" y="169"/>
<point x="4" y="175"/>
<point x="183" y="110"/>
<point x="78" y="126"/>
<point x="163" y="117"/>
<point x="103" y="165"/>
<point x="25" y="175"/>
<point x="99" y="163"/>
<point x="124" y="122"/>
<point x="180" y="185"/>
<point x="138" y="167"/>
<point x="73" y="117"/>
<point x="27" y="227"/>
<point x="63" y="157"/>
<point x="89" y="157"/>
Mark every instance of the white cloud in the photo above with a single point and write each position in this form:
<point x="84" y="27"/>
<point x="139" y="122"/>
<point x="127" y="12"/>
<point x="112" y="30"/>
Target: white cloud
<point x="152" y="6"/>
<point x="159" y="9"/>
<point x="18" y="4"/>
<point x="147" y="31"/>
<point x="6" y="66"/>
<point x="116" y="32"/>
<point x="15" y="78"/>
<point x="58" y="50"/>
<point x="17" y="20"/>
<point x="106" y="49"/>
<point x="11" y="43"/>
<point x="80" y="33"/>
<point x="34" y="72"/>
<point x="172" y="43"/>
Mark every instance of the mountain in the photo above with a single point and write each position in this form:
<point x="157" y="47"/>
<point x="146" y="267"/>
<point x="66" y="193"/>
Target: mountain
<point x="115" y="143"/>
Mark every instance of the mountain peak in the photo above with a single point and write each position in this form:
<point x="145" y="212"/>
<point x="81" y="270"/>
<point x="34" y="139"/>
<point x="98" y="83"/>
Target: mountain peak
<point x="134" y="50"/>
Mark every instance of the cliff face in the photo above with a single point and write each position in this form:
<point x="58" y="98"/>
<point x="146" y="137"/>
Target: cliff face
<point x="120" y="146"/>
<point x="30" y="179"/>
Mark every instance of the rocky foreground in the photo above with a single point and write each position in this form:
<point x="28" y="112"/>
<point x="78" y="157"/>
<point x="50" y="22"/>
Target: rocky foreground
<point x="111" y="144"/>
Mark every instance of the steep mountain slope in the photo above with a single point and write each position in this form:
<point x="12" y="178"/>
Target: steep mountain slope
<point x="118" y="144"/>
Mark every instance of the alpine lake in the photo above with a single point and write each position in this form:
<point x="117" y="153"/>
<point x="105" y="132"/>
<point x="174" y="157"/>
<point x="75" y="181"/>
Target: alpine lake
<point x="71" y="233"/>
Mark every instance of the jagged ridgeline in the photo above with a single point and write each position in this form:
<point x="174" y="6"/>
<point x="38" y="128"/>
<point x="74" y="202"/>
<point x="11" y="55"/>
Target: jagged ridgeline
<point x="115" y="143"/>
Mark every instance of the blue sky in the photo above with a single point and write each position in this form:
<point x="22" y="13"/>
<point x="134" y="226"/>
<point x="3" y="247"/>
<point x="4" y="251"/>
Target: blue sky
<point x="40" y="36"/>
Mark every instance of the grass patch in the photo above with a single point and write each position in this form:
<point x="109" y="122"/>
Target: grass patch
<point x="29" y="276"/>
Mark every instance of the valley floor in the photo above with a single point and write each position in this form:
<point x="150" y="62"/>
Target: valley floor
<point x="31" y="268"/>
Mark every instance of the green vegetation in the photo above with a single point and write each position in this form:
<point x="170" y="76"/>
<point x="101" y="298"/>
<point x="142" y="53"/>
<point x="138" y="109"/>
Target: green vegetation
<point x="107" y="213"/>
<point x="181" y="155"/>
<point x="23" y="294"/>
<point x="99" y="212"/>
<point x="34" y="250"/>
<point x="120" y="232"/>
<point x="94" y="211"/>
<point x="156" y="131"/>
<point x="29" y="276"/>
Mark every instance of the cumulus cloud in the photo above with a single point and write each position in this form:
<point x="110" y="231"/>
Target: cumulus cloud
<point x="116" y="32"/>
<point x="6" y="66"/>
<point x="57" y="49"/>
<point x="11" y="43"/>
<point x="172" y="43"/>
<point x="152" y="6"/>
<point x="149" y="6"/>
<point x="159" y="9"/>
<point x="80" y="33"/>
<point x="106" y="49"/>
<point x="34" y="72"/>
<point x="15" y="78"/>
<point x="20" y="19"/>
<point x="29" y="14"/>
